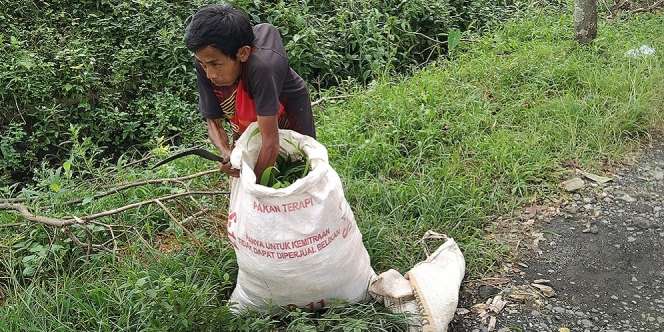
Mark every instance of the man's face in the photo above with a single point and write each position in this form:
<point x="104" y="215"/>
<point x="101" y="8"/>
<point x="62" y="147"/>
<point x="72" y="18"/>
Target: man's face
<point x="219" y="68"/>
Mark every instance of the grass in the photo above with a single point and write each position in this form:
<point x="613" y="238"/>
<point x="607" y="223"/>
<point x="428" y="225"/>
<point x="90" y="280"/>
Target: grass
<point x="447" y="149"/>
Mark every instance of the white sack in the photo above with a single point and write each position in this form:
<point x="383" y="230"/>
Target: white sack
<point x="298" y="245"/>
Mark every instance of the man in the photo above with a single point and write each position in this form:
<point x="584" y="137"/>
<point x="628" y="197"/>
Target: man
<point x="244" y="77"/>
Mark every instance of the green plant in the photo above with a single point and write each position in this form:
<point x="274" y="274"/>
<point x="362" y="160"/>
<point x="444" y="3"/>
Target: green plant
<point x="287" y="169"/>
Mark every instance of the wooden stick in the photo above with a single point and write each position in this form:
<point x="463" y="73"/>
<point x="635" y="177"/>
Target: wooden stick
<point x="13" y="200"/>
<point x="23" y="210"/>
<point x="146" y="158"/>
<point x="145" y="182"/>
<point x="81" y="244"/>
<point x="151" y="201"/>
<point x="175" y="220"/>
<point x="193" y="216"/>
<point x="11" y="225"/>
<point x="647" y="9"/>
<point x="324" y="99"/>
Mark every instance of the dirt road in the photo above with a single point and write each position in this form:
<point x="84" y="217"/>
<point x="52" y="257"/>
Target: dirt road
<point x="601" y="252"/>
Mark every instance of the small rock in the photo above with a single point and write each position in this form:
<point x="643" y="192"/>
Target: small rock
<point x="628" y="198"/>
<point x="642" y="223"/>
<point x="658" y="175"/>
<point x="546" y="290"/>
<point x="563" y="329"/>
<point x="542" y="281"/>
<point x="586" y="323"/>
<point x="486" y="291"/>
<point x="571" y="209"/>
<point x="643" y="208"/>
<point x="615" y="297"/>
<point x="559" y="310"/>
<point x="504" y="329"/>
<point x="573" y="184"/>
<point x="631" y="239"/>
<point x="596" y="178"/>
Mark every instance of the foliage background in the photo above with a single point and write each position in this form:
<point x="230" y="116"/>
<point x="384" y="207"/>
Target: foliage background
<point x="117" y="72"/>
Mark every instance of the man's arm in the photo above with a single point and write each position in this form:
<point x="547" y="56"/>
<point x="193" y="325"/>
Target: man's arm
<point x="270" y="144"/>
<point x="220" y="140"/>
<point x="218" y="137"/>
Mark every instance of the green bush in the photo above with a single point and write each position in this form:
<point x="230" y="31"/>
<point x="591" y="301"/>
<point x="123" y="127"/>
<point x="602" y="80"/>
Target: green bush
<point x="120" y="73"/>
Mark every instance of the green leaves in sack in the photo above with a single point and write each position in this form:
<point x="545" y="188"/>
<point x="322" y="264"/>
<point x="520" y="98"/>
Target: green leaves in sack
<point x="287" y="169"/>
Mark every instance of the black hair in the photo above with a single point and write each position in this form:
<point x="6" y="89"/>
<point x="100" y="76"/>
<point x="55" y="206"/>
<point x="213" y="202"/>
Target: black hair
<point x="223" y="27"/>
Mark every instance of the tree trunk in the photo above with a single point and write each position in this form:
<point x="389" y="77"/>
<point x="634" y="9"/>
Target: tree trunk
<point x="585" y="20"/>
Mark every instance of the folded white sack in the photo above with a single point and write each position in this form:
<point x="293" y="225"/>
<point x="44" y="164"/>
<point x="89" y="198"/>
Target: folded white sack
<point x="429" y="292"/>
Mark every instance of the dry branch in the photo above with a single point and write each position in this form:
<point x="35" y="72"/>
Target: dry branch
<point x="151" y="201"/>
<point x="324" y="99"/>
<point x="195" y="215"/>
<point x="90" y="219"/>
<point x="650" y="8"/>
<point x="175" y="220"/>
<point x="11" y="225"/>
<point x="23" y="210"/>
<point x="145" y="182"/>
<point x="81" y="244"/>
<point x="135" y="162"/>
<point x="13" y="200"/>
<point x="625" y="6"/>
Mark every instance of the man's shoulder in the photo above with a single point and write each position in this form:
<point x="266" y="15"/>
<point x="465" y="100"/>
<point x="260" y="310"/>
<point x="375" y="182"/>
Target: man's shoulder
<point x="265" y="28"/>
<point x="267" y="37"/>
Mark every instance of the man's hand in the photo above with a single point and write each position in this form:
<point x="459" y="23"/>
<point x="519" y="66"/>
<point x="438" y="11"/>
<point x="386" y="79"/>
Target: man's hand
<point x="220" y="140"/>
<point x="229" y="170"/>
<point x="218" y="137"/>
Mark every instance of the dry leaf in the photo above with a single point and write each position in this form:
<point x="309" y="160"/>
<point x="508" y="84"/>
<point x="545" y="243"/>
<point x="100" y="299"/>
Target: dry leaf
<point x="462" y="311"/>
<point x="497" y="304"/>
<point x="492" y="323"/>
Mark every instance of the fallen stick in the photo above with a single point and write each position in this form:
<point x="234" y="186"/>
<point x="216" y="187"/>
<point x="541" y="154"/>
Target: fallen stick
<point x="324" y="99"/>
<point x="145" y="182"/>
<point x="57" y="222"/>
<point x="195" y="215"/>
<point x="175" y="220"/>
<point x="23" y="210"/>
